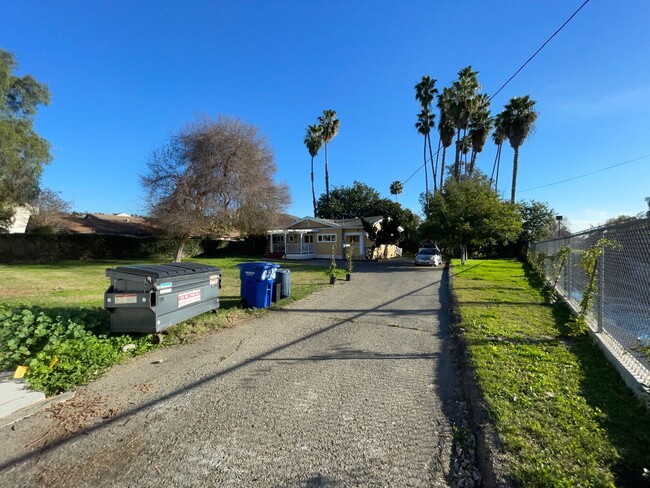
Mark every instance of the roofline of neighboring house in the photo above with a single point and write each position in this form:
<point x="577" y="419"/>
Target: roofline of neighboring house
<point x="334" y="223"/>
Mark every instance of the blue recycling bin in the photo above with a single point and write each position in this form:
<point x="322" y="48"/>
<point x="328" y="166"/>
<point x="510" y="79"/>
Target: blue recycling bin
<point x="257" y="283"/>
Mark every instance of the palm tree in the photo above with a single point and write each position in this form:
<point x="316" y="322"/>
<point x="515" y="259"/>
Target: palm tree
<point x="330" y="127"/>
<point x="499" y="136"/>
<point x="519" y="118"/>
<point x="425" y="92"/>
<point x="313" y="142"/>
<point x="480" y="125"/>
<point x="461" y="99"/>
<point x="396" y="188"/>
<point x="445" y="128"/>
<point x="423" y="125"/>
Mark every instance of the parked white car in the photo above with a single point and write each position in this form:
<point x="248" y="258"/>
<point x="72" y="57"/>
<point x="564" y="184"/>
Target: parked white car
<point x="428" y="257"/>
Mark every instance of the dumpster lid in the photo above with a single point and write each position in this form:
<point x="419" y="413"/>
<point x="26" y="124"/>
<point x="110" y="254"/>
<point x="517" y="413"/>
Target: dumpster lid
<point x="165" y="270"/>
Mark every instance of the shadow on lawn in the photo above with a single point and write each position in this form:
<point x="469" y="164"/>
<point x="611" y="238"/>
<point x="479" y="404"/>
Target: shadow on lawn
<point x="626" y="420"/>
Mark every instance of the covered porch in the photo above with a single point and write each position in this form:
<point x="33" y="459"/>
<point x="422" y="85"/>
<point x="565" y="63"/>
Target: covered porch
<point x="294" y="243"/>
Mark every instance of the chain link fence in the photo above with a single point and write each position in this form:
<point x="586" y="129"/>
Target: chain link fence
<point x="620" y="311"/>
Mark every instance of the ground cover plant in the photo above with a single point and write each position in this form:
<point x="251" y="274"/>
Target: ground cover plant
<point x="52" y="320"/>
<point x="562" y="412"/>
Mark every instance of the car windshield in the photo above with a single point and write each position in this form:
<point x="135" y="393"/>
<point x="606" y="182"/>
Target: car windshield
<point x="427" y="252"/>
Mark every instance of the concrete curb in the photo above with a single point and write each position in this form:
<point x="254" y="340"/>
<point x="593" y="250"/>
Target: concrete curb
<point x="30" y="410"/>
<point x="492" y="458"/>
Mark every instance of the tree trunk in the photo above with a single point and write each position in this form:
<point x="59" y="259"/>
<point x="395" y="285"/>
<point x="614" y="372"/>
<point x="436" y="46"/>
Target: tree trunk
<point x="313" y="192"/>
<point x="442" y="166"/>
<point x="472" y="162"/>
<point x="463" y="254"/>
<point x="514" y="175"/>
<point x="496" y="181"/>
<point x="437" y="158"/>
<point x="327" y="178"/>
<point x="426" y="172"/>
<point x="494" y="168"/>
<point x="457" y="159"/>
<point x="433" y="169"/>
<point x="179" y="250"/>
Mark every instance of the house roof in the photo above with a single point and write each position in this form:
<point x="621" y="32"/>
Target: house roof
<point x="316" y="223"/>
<point x="97" y="223"/>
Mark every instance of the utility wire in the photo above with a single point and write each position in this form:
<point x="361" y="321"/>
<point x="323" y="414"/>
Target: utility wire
<point x="423" y="165"/>
<point x="540" y="48"/>
<point x="588" y="174"/>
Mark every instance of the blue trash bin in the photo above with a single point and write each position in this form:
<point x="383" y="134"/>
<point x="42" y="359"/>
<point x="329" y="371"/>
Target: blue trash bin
<point x="257" y="283"/>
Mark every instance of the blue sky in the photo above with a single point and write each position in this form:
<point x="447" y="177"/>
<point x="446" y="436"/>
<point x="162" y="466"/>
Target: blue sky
<point x="125" y="75"/>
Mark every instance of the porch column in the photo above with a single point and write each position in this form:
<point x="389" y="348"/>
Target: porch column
<point x="362" y="246"/>
<point x="271" y="246"/>
<point x="301" y="234"/>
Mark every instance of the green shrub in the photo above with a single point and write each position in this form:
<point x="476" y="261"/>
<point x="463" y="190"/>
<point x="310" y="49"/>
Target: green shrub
<point x="62" y="348"/>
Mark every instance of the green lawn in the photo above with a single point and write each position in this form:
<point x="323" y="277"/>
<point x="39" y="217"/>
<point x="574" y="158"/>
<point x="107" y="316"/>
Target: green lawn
<point x="51" y="317"/>
<point x="562" y="412"/>
<point x="82" y="284"/>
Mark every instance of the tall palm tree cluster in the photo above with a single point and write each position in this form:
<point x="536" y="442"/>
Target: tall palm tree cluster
<point x="316" y="136"/>
<point x="464" y="115"/>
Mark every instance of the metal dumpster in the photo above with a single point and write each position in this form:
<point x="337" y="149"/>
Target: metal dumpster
<point x="257" y="283"/>
<point x="149" y="298"/>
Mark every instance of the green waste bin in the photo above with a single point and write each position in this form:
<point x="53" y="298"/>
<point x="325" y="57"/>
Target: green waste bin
<point x="149" y="298"/>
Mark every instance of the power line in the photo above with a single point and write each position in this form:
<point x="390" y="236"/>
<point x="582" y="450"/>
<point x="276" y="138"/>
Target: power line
<point x="540" y="48"/>
<point x="514" y="75"/>
<point x="588" y="174"/>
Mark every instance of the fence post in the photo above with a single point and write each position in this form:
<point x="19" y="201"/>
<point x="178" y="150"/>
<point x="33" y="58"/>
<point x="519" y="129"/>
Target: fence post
<point x="569" y="267"/>
<point x="601" y="288"/>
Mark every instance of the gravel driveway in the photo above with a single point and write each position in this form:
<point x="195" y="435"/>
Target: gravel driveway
<point x="352" y="386"/>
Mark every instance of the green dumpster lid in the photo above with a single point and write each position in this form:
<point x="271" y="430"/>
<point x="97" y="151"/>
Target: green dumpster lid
<point x="165" y="270"/>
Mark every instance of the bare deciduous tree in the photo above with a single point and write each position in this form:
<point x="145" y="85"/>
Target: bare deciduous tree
<point x="49" y="212"/>
<point x="214" y="176"/>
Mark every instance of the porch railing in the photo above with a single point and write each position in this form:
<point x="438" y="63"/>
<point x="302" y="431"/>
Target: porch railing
<point x="297" y="248"/>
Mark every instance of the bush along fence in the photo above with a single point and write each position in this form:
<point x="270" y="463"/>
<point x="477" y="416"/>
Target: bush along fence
<point x="604" y="276"/>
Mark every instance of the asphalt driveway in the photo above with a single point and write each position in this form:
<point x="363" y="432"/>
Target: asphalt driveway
<point x="352" y="386"/>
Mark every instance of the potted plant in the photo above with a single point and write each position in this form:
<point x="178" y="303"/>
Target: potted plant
<point x="332" y="269"/>
<point x="348" y="257"/>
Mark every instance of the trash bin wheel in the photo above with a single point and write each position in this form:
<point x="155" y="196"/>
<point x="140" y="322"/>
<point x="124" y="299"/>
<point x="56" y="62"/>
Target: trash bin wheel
<point x="158" y="338"/>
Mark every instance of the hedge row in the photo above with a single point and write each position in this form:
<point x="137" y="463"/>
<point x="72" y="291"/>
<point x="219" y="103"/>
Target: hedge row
<point x="16" y="248"/>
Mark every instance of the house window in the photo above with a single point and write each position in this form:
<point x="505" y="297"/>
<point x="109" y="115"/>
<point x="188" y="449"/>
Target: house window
<point x="327" y="238"/>
<point x="308" y="239"/>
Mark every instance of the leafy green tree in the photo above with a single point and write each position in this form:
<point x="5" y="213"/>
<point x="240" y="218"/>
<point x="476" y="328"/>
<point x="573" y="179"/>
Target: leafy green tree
<point x="538" y="221"/>
<point x="313" y="142"/>
<point x="329" y="129"/>
<point x="469" y="212"/>
<point x="23" y="153"/>
<point x="519" y="118"/>
<point x="349" y="202"/>
<point x="214" y="176"/>
<point x="620" y="219"/>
